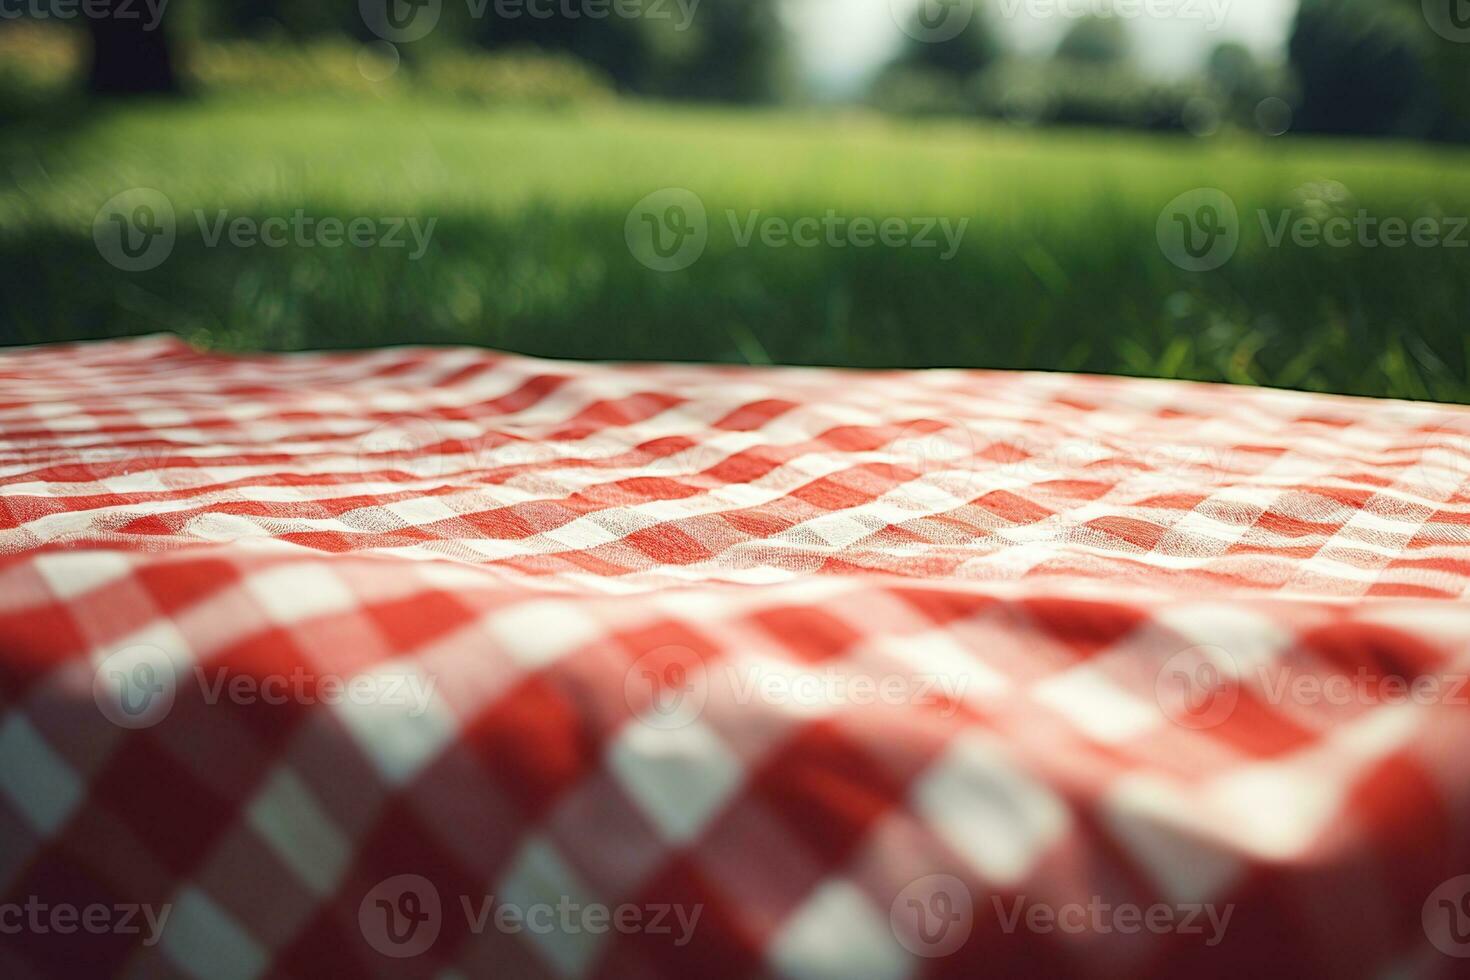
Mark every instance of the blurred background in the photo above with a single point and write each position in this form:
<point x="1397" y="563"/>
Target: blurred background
<point x="1255" y="191"/>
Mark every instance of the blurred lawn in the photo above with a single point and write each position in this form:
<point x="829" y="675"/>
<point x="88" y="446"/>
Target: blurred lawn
<point x="1060" y="267"/>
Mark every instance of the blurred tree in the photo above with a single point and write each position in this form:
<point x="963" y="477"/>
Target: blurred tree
<point x="1447" y="62"/>
<point x="720" y="49"/>
<point x="973" y="50"/>
<point x="1242" y="82"/>
<point x="1095" y="40"/>
<point x="735" y="53"/>
<point x="1361" y="68"/>
<point x="618" y="45"/>
<point x="131" y="54"/>
<point x="937" y="76"/>
<point x="294" y="18"/>
<point x="1233" y="68"/>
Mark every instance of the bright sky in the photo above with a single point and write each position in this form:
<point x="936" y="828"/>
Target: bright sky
<point x="843" y="39"/>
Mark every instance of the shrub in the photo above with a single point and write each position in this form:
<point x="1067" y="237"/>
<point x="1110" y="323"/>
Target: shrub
<point x="519" y="77"/>
<point x="38" y="61"/>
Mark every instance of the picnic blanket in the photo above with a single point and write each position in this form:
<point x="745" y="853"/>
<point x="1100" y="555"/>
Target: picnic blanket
<point x="452" y="663"/>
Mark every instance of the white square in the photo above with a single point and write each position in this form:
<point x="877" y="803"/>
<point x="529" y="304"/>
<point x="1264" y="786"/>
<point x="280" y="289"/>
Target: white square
<point x="72" y="575"/>
<point x="286" y="814"/>
<point x="679" y="776"/>
<point x="399" y="735"/>
<point x="205" y="941"/>
<point x="582" y="534"/>
<point x="837" y="530"/>
<point x="295" y="593"/>
<point x="418" y="511"/>
<point x="36" y="780"/>
<point x="838" y="933"/>
<point x="1098" y="707"/>
<point x="539" y="877"/>
<point x="988" y="810"/>
<point x="1162" y="829"/>
<point x="537" y="634"/>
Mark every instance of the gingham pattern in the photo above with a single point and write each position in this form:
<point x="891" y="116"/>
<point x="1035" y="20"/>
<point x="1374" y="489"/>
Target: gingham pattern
<point x="600" y="568"/>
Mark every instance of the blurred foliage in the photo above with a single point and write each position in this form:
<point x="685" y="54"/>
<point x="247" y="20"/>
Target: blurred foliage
<point x="516" y="77"/>
<point x="1091" y="79"/>
<point x="1095" y="40"/>
<point x="971" y="51"/>
<point x="1361" y="68"/>
<point x="1356" y="67"/>
<point x="1047" y="91"/>
<point x="39" y="62"/>
<point x="1375" y="67"/>
<point x="329" y="66"/>
<point x="726" y="50"/>
<point x="1097" y="94"/>
<point x="1060" y="267"/>
<point x="1240" y="82"/>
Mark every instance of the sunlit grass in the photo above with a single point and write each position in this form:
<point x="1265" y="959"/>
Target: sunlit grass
<point x="1059" y="266"/>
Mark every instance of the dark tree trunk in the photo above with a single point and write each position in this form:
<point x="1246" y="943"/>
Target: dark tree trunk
<point x="130" y="52"/>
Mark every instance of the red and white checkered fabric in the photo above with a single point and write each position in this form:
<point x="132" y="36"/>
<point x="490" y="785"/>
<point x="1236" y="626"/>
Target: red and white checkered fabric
<point x="880" y="674"/>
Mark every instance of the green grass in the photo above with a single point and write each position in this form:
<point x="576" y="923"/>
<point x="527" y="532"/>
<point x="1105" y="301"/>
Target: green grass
<point x="1060" y="267"/>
